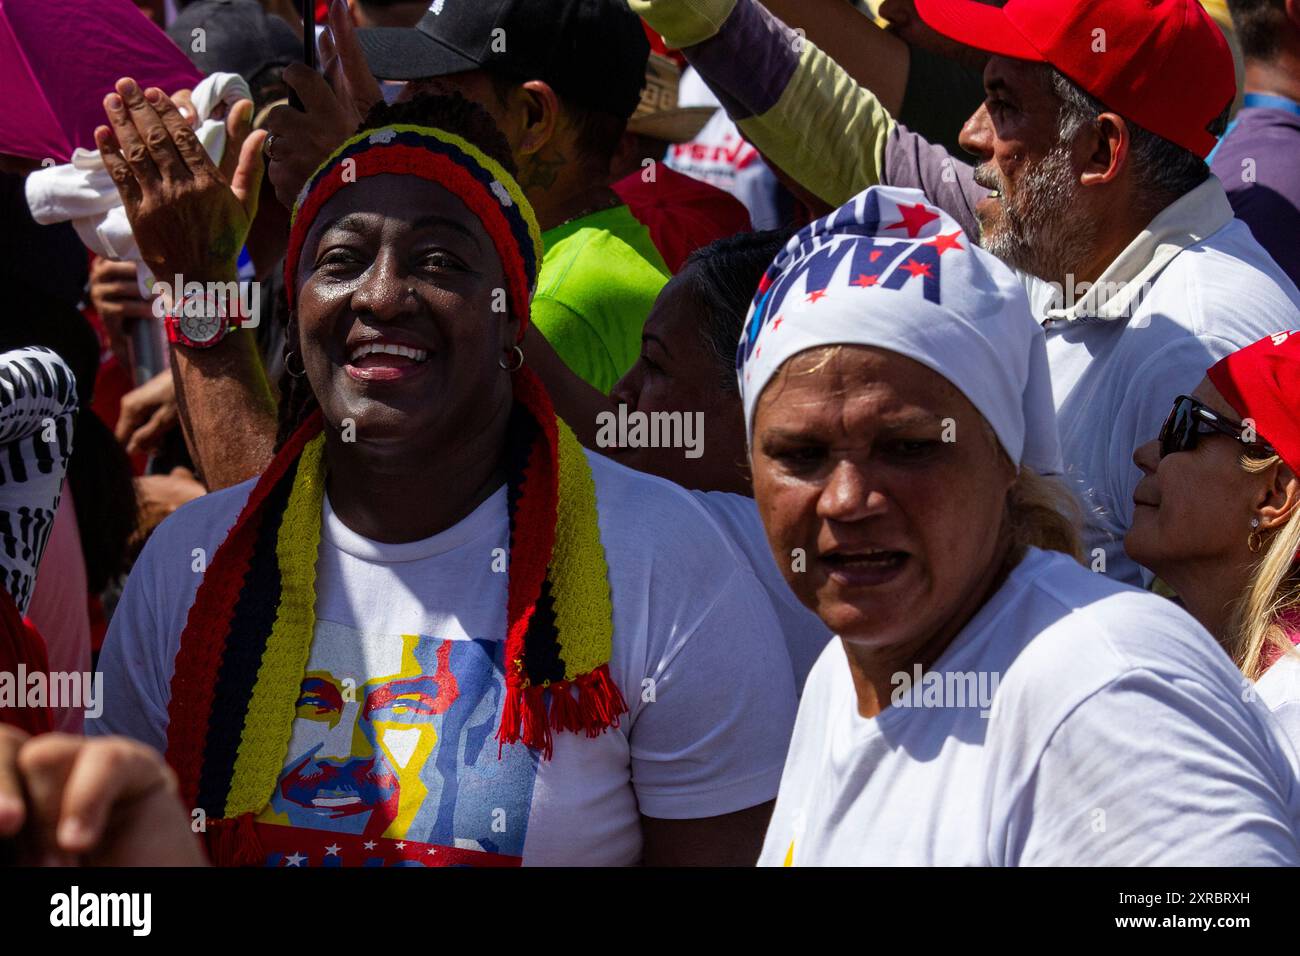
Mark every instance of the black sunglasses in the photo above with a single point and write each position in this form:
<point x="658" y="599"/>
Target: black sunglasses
<point x="1189" y="419"/>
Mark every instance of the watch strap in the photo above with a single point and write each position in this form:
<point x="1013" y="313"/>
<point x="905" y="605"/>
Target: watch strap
<point x="176" y="336"/>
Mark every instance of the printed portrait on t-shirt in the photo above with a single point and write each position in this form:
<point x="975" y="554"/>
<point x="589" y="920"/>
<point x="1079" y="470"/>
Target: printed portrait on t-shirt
<point x="394" y="747"/>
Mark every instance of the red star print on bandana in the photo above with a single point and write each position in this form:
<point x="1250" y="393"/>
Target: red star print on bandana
<point x="915" y="218"/>
<point x="944" y="243"/>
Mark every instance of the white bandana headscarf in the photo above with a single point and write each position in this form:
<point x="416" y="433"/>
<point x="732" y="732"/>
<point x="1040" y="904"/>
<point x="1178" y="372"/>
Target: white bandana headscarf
<point x="889" y="270"/>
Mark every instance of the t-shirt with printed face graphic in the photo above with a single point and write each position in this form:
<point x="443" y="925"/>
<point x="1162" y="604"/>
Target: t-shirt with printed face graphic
<point x="382" y="759"/>
<point x="393" y="757"/>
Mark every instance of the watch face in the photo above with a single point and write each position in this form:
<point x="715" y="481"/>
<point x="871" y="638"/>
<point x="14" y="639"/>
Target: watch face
<point x="200" y="328"/>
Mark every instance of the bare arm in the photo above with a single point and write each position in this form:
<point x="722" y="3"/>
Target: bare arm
<point x="226" y="408"/>
<point x="226" y="404"/>
<point x="733" y="839"/>
<point x="190" y="218"/>
<point x="575" y="401"/>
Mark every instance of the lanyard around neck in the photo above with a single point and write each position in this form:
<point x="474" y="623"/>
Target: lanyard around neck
<point x="1270" y="101"/>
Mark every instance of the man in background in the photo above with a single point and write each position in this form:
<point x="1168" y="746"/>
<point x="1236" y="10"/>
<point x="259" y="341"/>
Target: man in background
<point x="682" y="213"/>
<point x="1258" y="160"/>
<point x="560" y="78"/>
<point x="1090" y="181"/>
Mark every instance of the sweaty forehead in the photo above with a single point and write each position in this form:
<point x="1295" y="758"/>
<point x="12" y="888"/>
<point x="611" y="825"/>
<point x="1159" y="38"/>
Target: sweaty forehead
<point x="371" y="207"/>
<point x="1019" y="78"/>
<point x="407" y="199"/>
<point x="677" y="311"/>
<point x="861" y="380"/>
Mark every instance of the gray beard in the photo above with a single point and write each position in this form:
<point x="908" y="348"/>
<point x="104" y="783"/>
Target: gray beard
<point x="1037" y="233"/>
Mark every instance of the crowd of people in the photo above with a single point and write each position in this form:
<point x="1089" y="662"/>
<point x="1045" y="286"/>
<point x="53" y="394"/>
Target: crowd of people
<point x="477" y="448"/>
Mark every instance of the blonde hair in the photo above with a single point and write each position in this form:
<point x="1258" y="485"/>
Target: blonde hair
<point x="1043" y="512"/>
<point x="1272" y="592"/>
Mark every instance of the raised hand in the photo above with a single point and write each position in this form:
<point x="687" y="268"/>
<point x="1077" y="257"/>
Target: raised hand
<point x="334" y="106"/>
<point x="148" y="413"/>
<point x="188" y="215"/>
<point x="115" y="296"/>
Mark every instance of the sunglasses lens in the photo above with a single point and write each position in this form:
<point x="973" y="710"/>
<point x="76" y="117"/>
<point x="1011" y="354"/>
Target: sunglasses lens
<point x="1179" y="429"/>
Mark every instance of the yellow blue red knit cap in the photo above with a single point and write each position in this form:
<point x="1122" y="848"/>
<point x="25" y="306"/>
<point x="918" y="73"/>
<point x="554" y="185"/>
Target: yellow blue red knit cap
<point x="451" y="161"/>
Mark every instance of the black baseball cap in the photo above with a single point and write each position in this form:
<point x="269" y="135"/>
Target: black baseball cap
<point x="592" y="52"/>
<point x="239" y="36"/>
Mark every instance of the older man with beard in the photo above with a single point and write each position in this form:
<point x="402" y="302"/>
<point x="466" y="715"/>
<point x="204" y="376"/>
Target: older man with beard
<point x="1091" y="182"/>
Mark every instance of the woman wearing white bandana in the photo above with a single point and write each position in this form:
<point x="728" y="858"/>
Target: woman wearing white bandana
<point x="991" y="701"/>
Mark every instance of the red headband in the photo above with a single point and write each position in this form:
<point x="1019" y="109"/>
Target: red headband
<point x="443" y="159"/>
<point x="1262" y="382"/>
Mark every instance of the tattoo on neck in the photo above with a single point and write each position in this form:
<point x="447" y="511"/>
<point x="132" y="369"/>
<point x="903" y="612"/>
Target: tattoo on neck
<point x="542" y="171"/>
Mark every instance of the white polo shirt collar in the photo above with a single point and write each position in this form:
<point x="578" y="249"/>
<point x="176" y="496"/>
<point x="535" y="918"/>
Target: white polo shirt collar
<point x="1118" y="291"/>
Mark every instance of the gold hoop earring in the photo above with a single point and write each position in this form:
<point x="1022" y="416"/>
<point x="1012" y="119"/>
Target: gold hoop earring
<point x="518" y="354"/>
<point x="288" y="368"/>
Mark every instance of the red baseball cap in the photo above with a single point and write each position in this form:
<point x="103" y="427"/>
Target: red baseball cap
<point x="1260" y="382"/>
<point x="1163" y="64"/>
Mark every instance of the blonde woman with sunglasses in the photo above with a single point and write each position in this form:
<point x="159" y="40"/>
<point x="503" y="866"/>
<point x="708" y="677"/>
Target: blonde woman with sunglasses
<point x="1217" y="514"/>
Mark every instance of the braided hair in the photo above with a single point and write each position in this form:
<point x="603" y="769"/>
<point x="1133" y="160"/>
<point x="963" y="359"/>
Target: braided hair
<point x="452" y="113"/>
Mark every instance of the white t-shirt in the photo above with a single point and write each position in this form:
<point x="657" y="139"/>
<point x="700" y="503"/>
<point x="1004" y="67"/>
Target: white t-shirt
<point x="805" y="634"/>
<point x="393" y="753"/>
<point x="720" y="155"/>
<point x="1117" y="733"/>
<point x="1203" y="289"/>
<point x="1279" y="689"/>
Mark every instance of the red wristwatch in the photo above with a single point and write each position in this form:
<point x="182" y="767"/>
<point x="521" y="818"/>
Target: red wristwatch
<point x="199" y="321"/>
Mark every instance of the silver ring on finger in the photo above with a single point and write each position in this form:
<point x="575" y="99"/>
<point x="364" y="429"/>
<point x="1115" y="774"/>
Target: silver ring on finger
<point x="266" y="147"/>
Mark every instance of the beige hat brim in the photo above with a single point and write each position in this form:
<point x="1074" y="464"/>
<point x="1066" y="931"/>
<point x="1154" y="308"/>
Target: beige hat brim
<point x="674" y="126"/>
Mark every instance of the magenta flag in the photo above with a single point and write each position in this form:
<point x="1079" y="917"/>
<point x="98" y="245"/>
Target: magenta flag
<point x="60" y="58"/>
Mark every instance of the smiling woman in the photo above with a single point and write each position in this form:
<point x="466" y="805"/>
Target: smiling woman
<point x="1217" y="513"/>
<point x="425" y="634"/>
<point x="433" y="268"/>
